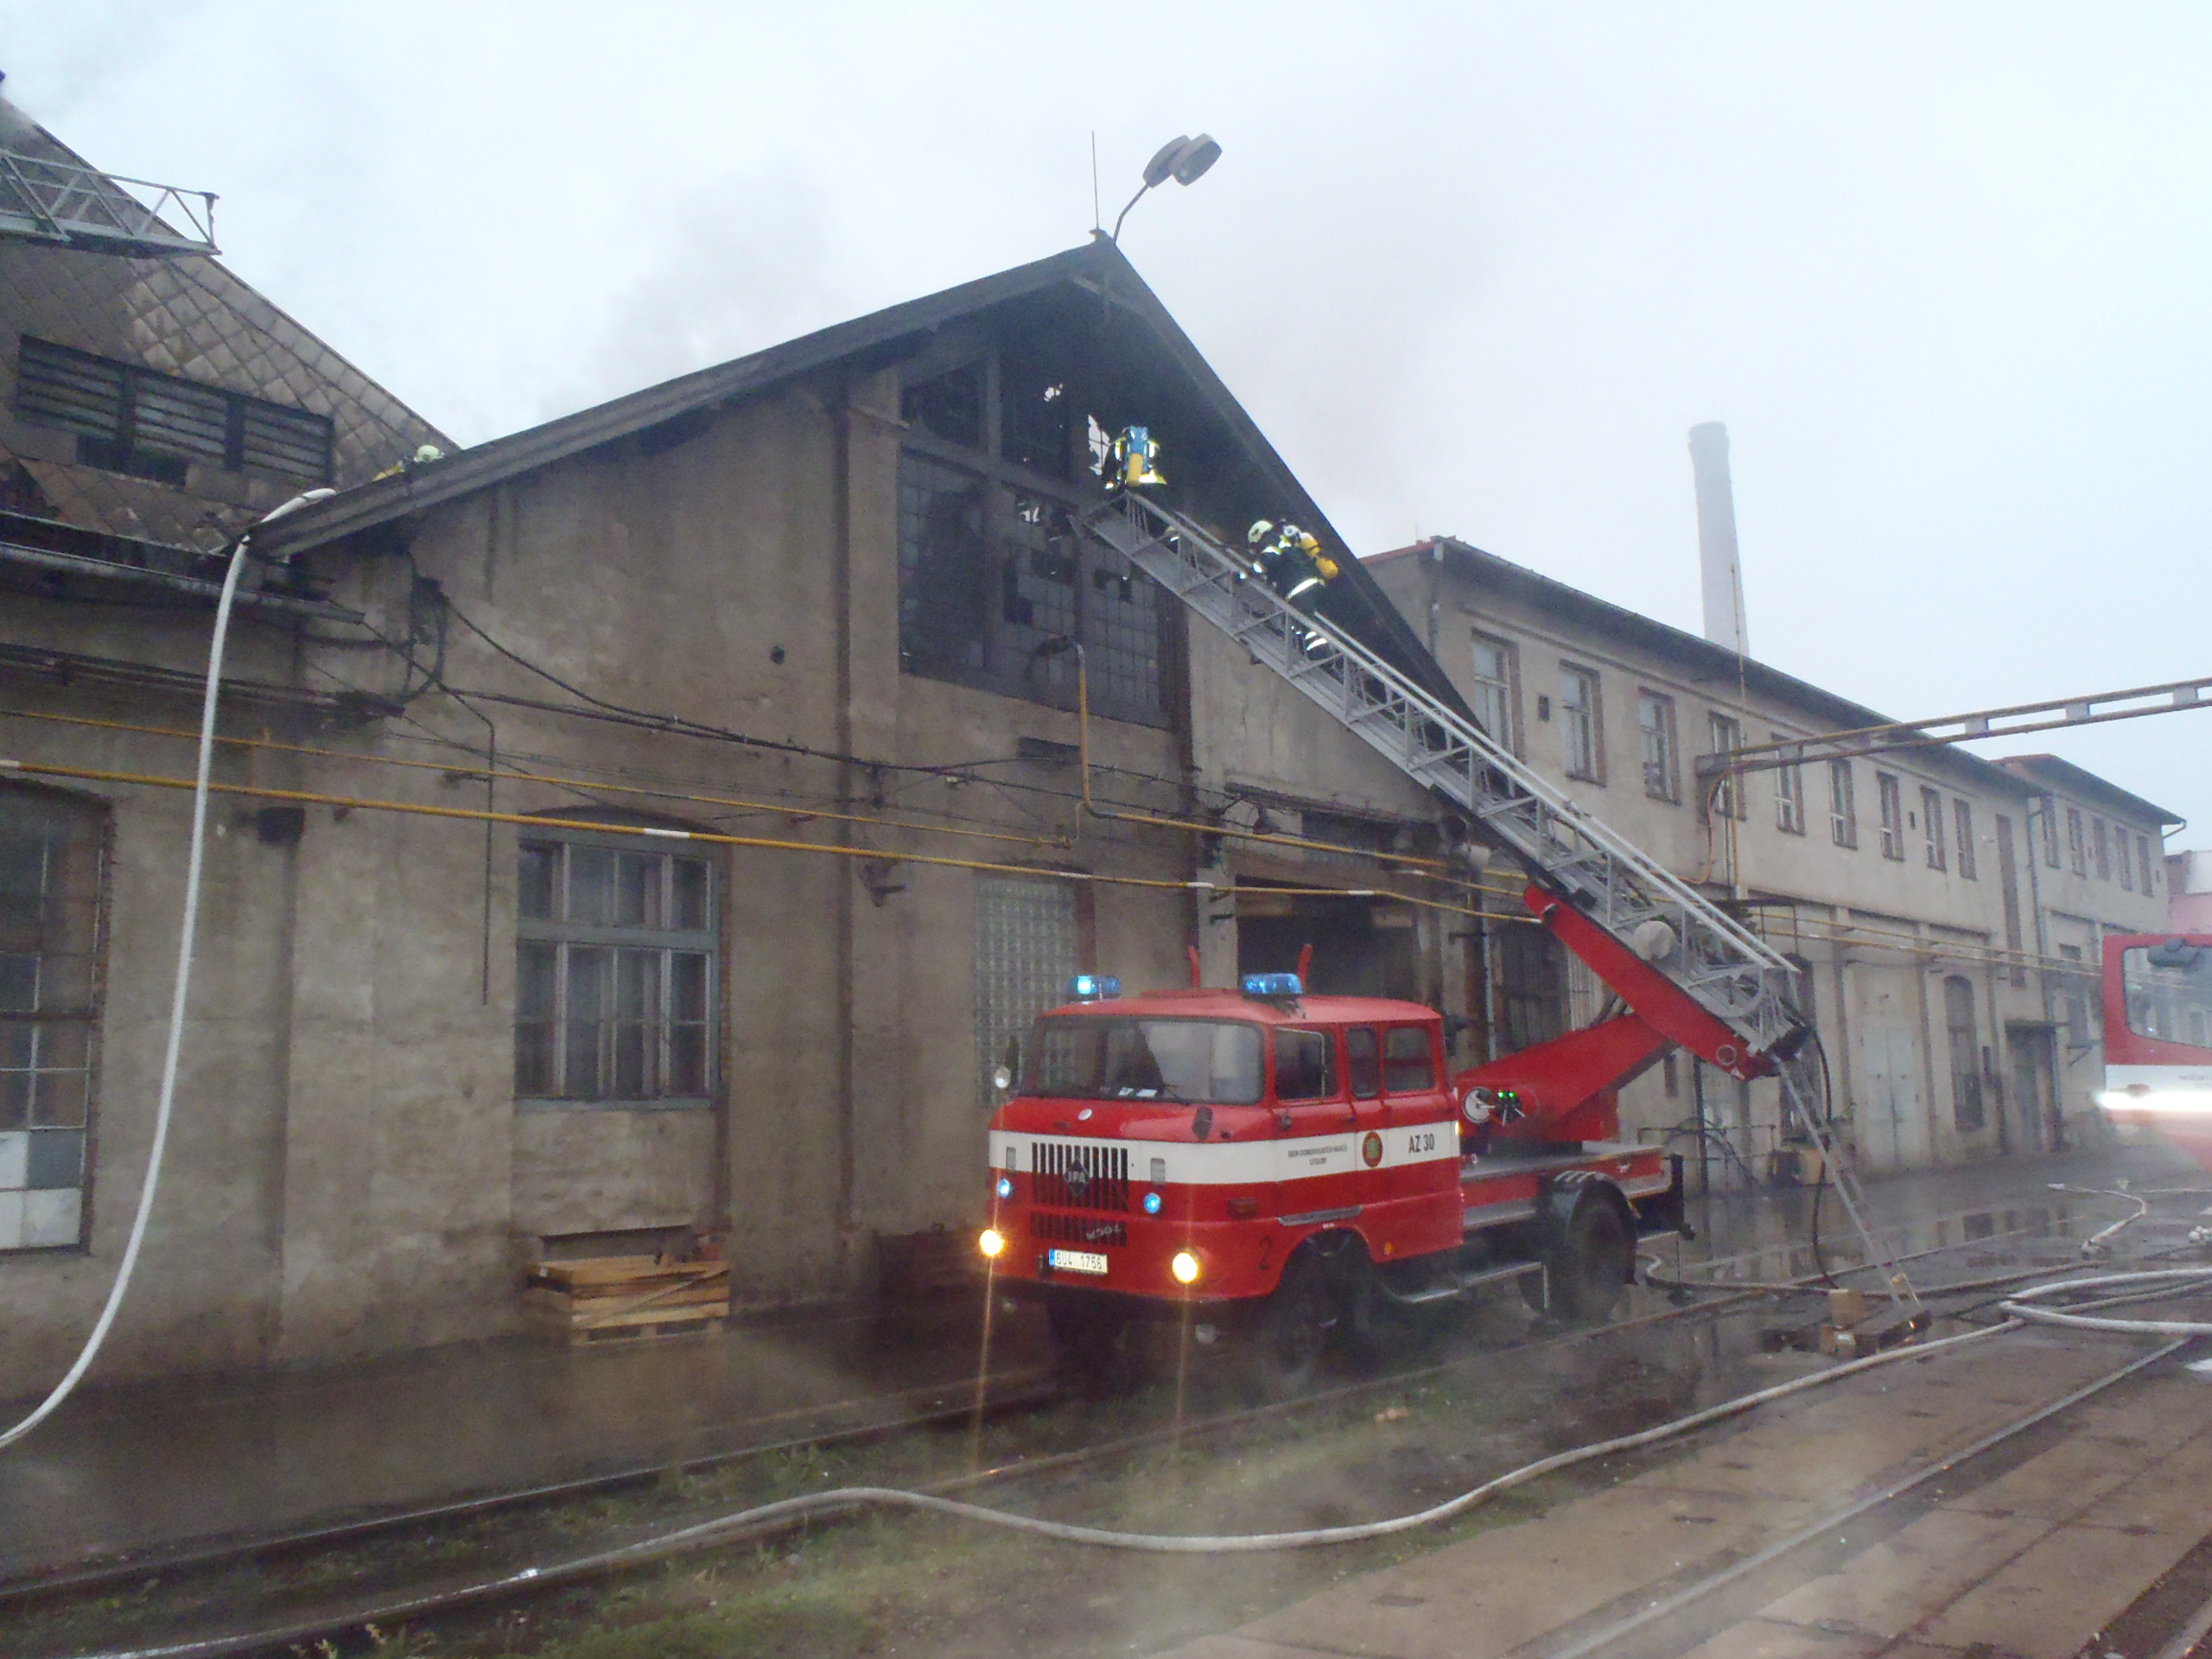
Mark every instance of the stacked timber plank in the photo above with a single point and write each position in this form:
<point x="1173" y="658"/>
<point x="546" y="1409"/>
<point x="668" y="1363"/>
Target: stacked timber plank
<point x="616" y="1298"/>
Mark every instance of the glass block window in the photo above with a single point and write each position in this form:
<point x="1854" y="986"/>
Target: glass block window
<point x="1028" y="945"/>
<point x="52" y="851"/>
<point x="615" y="973"/>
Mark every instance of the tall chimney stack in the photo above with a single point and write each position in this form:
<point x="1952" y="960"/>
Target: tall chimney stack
<point x="1723" y="575"/>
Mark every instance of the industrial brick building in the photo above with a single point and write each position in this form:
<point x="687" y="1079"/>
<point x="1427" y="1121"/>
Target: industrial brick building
<point x="1937" y="900"/>
<point x="655" y="823"/>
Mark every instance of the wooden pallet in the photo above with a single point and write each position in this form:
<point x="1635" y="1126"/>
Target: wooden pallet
<point x="626" y="1298"/>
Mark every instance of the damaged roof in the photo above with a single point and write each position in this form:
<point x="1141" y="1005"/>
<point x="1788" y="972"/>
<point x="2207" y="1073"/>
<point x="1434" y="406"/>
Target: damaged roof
<point x="184" y="316"/>
<point x="1097" y="270"/>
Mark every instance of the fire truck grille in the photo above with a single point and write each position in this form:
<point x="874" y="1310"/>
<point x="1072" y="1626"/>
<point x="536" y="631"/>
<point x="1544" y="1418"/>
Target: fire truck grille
<point x="1077" y="1229"/>
<point x="1079" y="1176"/>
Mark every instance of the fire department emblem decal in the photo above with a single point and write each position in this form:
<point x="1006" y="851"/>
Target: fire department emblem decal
<point x="1371" y="1149"/>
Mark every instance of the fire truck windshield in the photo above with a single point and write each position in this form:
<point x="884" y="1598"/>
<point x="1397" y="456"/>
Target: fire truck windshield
<point x="2169" y="992"/>
<point x="1189" y="1062"/>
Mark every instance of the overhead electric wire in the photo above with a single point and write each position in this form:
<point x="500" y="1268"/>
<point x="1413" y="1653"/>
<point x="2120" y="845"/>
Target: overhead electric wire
<point x="555" y="820"/>
<point x="688" y="798"/>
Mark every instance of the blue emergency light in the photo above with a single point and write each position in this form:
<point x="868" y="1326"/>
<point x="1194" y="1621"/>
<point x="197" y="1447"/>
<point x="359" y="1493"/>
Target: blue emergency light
<point x="1273" y="985"/>
<point x="1094" y="987"/>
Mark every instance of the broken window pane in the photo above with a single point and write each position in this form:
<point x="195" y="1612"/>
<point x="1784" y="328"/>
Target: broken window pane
<point x="949" y="406"/>
<point x="1033" y="418"/>
<point x="942" y="580"/>
<point x="991" y="568"/>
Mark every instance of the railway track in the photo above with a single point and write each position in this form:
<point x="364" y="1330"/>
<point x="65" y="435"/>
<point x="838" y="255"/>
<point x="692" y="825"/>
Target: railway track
<point x="520" y="1564"/>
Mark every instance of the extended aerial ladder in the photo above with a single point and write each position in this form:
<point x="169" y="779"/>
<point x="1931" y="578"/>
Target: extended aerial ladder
<point x="1687" y="969"/>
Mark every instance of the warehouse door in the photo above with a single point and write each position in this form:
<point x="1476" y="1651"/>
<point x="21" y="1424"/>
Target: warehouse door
<point x="1894" y="1135"/>
<point x="2031" y="1102"/>
<point x="1028" y="945"/>
<point x="1362" y="947"/>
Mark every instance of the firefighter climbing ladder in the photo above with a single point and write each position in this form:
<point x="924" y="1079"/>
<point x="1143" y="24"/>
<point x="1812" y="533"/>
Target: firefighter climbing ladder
<point x="1712" y="958"/>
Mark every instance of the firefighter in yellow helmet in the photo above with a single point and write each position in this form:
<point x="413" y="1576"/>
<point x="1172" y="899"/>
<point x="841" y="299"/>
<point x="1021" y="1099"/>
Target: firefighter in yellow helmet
<point x="1135" y="456"/>
<point x="1291" y="562"/>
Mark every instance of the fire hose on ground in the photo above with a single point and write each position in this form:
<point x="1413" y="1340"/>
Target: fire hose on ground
<point x="2022" y="1311"/>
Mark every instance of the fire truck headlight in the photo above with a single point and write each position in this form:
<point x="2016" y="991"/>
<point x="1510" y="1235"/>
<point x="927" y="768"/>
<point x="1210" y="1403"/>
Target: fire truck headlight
<point x="1185" y="1266"/>
<point x="991" y="1243"/>
<point x="1006" y="1186"/>
<point x="1151" y="1204"/>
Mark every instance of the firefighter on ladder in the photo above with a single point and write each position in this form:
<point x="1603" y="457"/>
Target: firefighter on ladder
<point x="1134" y="456"/>
<point x="1290" y="561"/>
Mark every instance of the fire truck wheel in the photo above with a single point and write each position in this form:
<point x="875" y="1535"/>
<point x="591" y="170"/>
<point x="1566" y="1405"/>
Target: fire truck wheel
<point x="1590" y="1259"/>
<point x="1293" y="1329"/>
<point x="1096" y="1349"/>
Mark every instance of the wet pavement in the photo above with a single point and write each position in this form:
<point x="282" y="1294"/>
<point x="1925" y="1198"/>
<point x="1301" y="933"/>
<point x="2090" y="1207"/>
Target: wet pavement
<point x="2029" y="1551"/>
<point x="151" y="1468"/>
<point x="139" y="1468"/>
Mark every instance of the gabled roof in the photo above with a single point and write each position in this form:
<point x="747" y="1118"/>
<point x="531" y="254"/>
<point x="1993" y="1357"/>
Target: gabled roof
<point x="2048" y="772"/>
<point x="1355" y="603"/>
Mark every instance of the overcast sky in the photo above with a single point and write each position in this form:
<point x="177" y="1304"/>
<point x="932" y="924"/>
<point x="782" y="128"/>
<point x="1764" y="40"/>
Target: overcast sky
<point x="1945" y="271"/>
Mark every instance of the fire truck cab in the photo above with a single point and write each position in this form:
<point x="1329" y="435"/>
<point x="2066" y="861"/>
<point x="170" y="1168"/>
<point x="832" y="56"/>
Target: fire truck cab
<point x="2158" y="1002"/>
<point x="1278" y="1165"/>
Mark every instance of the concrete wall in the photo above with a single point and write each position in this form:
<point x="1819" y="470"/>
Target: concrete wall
<point x="349" y="1171"/>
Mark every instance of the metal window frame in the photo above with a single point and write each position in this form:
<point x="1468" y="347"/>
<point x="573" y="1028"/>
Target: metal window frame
<point x="1728" y="796"/>
<point x="666" y="942"/>
<point x="1935" y="834"/>
<point x="1669" y="770"/>
<point x="98" y="817"/>
<point x="1789" y="799"/>
<point x="1843" y="804"/>
<point x="1508" y="688"/>
<point x="1889" y="792"/>
<point x="1588" y="680"/>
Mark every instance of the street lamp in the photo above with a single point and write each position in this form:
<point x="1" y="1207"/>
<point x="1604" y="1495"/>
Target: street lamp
<point x="1184" y="159"/>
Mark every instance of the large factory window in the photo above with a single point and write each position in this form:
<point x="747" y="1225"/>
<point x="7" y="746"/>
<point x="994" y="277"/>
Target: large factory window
<point x="991" y="572"/>
<point x="51" y="848"/>
<point x="614" y="969"/>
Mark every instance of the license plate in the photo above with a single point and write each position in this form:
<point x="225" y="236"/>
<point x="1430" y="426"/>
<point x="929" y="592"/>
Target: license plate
<point x="1076" y="1261"/>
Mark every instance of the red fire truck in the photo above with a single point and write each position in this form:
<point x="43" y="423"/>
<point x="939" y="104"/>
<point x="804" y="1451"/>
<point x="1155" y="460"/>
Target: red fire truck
<point x="2157" y="1002"/>
<point x="1283" y="1167"/>
<point x="1261" y="1158"/>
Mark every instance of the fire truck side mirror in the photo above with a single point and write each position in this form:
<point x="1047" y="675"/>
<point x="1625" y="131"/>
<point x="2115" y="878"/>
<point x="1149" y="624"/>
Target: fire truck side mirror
<point x="1009" y="1068"/>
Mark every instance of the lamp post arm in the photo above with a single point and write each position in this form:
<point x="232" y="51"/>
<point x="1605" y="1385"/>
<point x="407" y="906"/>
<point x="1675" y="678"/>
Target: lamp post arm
<point x="1116" y="237"/>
